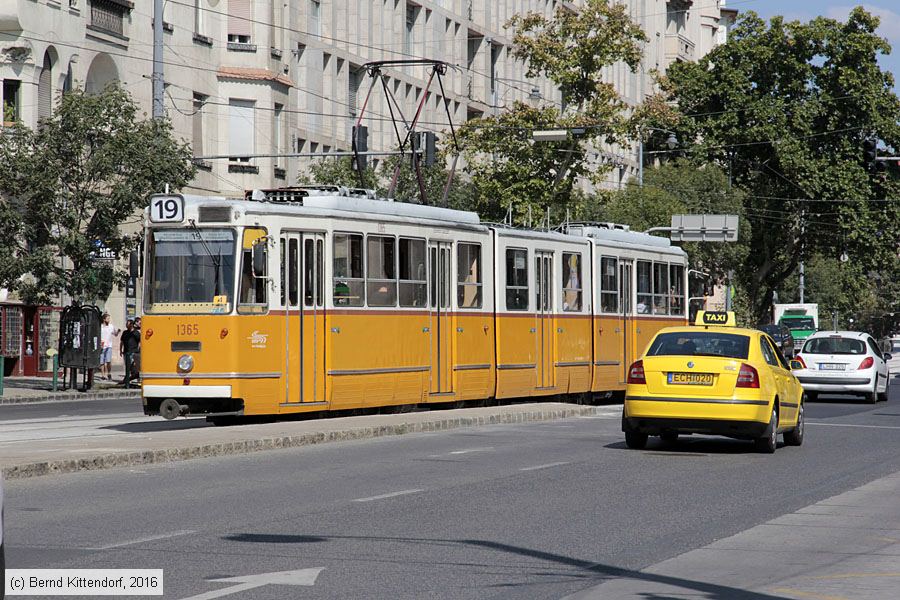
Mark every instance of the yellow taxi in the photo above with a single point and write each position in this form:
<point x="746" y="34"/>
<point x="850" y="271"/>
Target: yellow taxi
<point x="713" y="378"/>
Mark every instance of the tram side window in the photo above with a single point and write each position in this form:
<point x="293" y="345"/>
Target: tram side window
<point x="676" y="283"/>
<point x="660" y="288"/>
<point x="252" y="298"/>
<point x="381" y="275"/>
<point x="644" y="286"/>
<point x="571" y="282"/>
<point x="468" y="275"/>
<point x="609" y="284"/>
<point x="310" y="282"/>
<point x="349" y="284"/>
<point x="293" y="267"/>
<point x="413" y="282"/>
<point x="516" y="279"/>
<point x="283" y="281"/>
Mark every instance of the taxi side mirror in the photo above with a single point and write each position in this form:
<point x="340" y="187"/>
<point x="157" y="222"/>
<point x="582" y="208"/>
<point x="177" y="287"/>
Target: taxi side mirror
<point x="796" y="364"/>
<point x="887" y="356"/>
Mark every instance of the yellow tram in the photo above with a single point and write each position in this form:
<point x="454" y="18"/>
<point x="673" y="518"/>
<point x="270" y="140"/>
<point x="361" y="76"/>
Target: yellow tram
<point x="324" y="298"/>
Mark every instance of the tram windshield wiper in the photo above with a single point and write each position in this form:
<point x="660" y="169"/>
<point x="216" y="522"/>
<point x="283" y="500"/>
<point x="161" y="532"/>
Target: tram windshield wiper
<point x="216" y="260"/>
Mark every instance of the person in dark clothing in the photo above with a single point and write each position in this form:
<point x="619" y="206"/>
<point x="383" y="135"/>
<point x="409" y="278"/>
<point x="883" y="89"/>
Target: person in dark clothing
<point x="129" y="345"/>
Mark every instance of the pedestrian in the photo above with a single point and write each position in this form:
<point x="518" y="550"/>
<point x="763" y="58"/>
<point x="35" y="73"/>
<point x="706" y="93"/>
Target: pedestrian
<point x="129" y="344"/>
<point x="108" y="333"/>
<point x="136" y="371"/>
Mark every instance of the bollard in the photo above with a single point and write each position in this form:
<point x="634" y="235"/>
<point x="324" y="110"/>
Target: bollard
<point x="2" y="367"/>
<point x="55" y="372"/>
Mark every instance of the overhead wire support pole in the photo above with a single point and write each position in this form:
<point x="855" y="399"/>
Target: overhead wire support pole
<point x="158" y="81"/>
<point x="452" y="172"/>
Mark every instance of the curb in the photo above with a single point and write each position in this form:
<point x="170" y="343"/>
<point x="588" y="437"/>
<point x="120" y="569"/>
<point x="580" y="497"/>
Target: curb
<point x="71" y="397"/>
<point x="146" y="457"/>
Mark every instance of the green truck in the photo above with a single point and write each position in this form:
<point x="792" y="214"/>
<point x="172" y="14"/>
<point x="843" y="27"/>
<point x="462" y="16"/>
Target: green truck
<point x="801" y="319"/>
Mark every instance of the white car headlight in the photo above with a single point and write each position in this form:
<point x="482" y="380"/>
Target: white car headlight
<point x="186" y="363"/>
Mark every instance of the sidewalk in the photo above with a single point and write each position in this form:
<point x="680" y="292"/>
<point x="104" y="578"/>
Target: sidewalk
<point x="21" y="390"/>
<point x="846" y="547"/>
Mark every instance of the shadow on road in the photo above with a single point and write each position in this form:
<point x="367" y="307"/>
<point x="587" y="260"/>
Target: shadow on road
<point x="583" y="571"/>
<point x="690" y="446"/>
<point x="157" y="426"/>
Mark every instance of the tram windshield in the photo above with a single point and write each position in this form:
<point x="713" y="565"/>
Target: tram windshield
<point x="190" y="271"/>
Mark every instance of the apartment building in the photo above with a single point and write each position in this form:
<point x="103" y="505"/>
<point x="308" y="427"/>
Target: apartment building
<point x="270" y="77"/>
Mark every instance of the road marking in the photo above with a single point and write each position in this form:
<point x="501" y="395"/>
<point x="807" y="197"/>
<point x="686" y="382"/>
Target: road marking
<point x="854" y="575"/>
<point x="390" y="495"/>
<point x="547" y="466"/>
<point x="150" y="538"/>
<point x="458" y="452"/>
<point x="852" y="425"/>
<point x="812" y="595"/>
<point x="248" y="582"/>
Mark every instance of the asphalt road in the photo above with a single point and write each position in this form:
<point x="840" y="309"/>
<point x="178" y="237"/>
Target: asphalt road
<point x="531" y="511"/>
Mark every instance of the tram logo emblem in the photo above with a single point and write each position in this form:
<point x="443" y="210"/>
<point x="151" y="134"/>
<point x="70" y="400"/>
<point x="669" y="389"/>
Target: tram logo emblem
<point x="257" y="339"/>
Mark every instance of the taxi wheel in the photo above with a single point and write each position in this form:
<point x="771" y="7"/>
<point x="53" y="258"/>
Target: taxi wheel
<point x="769" y="442"/>
<point x="636" y="440"/>
<point x="883" y="396"/>
<point x="794" y="437"/>
<point x="872" y="397"/>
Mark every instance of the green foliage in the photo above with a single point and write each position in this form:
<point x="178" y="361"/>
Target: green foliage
<point x="75" y="181"/>
<point x="682" y="187"/>
<point x="511" y="173"/>
<point x="785" y="107"/>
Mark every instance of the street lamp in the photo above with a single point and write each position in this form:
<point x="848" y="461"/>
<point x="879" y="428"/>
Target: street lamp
<point x="671" y="144"/>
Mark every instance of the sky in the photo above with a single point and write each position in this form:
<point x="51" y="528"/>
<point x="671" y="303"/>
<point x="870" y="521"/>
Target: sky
<point x="888" y="10"/>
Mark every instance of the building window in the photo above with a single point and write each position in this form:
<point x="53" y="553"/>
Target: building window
<point x="409" y="37"/>
<point x="315" y="9"/>
<point x="349" y="284"/>
<point x="571" y="282"/>
<point x="11" y="101"/>
<point x="355" y="81"/>
<point x="241" y="129"/>
<point x="381" y="275"/>
<point x="278" y="133"/>
<point x="240" y="26"/>
<point x="413" y="284"/>
<point x="516" y="279"/>
<point x="468" y="275"/>
<point x="197" y="122"/>
<point x="109" y="15"/>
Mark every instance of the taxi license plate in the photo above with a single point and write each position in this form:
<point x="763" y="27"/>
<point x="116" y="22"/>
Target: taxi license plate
<point x="831" y="367"/>
<point x="690" y="378"/>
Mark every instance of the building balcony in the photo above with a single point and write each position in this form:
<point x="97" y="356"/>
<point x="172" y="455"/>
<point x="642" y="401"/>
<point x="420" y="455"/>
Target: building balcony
<point x="679" y="48"/>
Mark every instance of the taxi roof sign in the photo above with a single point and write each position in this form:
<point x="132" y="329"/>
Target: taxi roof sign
<point x="716" y="318"/>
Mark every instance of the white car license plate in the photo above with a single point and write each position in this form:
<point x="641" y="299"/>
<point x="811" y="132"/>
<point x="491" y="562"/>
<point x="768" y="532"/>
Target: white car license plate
<point x="831" y="367"/>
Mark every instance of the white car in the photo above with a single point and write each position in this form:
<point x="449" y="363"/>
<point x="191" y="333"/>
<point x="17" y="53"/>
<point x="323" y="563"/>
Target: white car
<point x="842" y="362"/>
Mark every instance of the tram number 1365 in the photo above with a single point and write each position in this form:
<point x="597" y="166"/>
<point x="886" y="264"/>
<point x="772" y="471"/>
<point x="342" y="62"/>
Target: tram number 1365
<point x="166" y="209"/>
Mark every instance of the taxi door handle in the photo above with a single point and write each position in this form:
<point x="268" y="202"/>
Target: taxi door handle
<point x="532" y="330"/>
<point x="560" y="330"/>
<point x="426" y="329"/>
<point x="459" y="330"/>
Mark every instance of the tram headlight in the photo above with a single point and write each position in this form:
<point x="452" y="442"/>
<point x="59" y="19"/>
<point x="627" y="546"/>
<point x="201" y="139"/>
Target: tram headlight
<point x="186" y="363"/>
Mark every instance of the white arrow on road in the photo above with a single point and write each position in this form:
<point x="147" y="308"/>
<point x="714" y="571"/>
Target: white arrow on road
<point x="248" y="582"/>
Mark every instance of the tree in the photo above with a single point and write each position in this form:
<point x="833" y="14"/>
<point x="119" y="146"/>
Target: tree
<point x="509" y="171"/>
<point x="785" y="108"/>
<point x="68" y="187"/>
<point x="682" y="187"/>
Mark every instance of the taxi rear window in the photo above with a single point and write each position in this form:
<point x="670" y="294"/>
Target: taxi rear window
<point x="700" y="343"/>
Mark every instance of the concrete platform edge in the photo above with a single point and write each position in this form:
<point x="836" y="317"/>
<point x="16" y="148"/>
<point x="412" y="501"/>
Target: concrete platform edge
<point x="71" y="397"/>
<point x="440" y="422"/>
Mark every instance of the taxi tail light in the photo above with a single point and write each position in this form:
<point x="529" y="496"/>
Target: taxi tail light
<point x="747" y="377"/>
<point x="636" y="373"/>
<point x="866" y="363"/>
<point x="800" y="360"/>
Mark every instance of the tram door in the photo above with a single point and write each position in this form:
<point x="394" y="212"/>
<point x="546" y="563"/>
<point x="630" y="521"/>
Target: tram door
<point x="543" y="329"/>
<point x="625" y="324"/>
<point x="440" y="321"/>
<point x="303" y="293"/>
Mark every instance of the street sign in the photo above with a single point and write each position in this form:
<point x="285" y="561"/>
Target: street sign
<point x="101" y="253"/>
<point x="704" y="228"/>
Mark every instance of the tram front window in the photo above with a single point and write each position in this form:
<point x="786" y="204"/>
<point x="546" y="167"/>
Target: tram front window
<point x="190" y="271"/>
